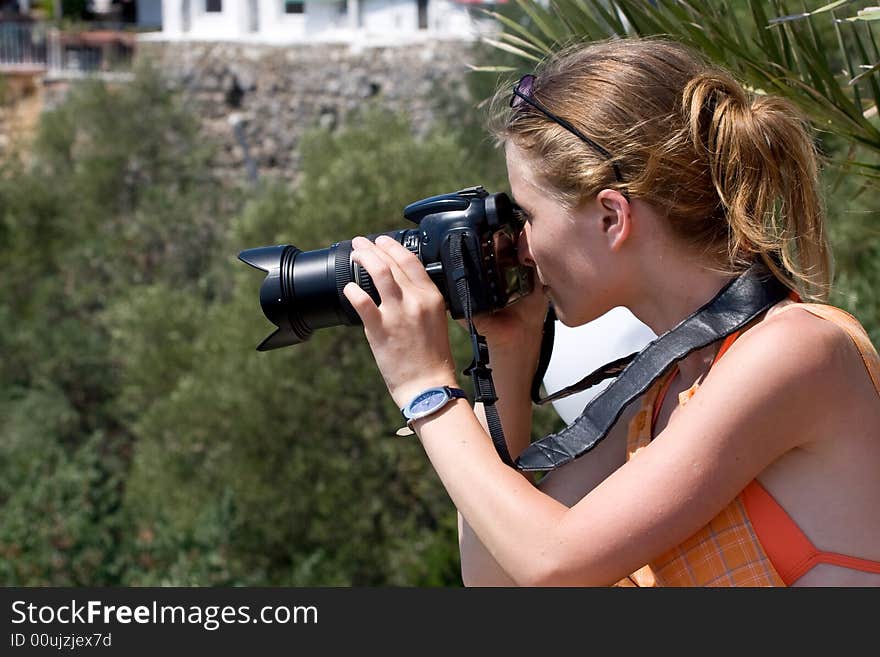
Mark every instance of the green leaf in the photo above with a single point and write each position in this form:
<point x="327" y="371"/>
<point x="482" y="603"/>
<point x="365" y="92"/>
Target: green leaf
<point x="511" y="49"/>
<point x="609" y="16"/>
<point x="516" y="27"/>
<point x="542" y="18"/>
<point x="806" y="14"/>
<point x="518" y="42"/>
<point x="863" y="165"/>
<point x="868" y="14"/>
<point x="490" y="69"/>
<point x="798" y="59"/>
<point x="866" y="71"/>
<point x="849" y="64"/>
<point x="872" y="79"/>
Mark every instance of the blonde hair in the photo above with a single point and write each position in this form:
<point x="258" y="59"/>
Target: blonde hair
<point x="736" y="176"/>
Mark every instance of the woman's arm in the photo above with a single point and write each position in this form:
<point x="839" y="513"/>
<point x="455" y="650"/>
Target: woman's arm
<point x="513" y="335"/>
<point x="567" y="485"/>
<point x="512" y="368"/>
<point x="756" y="403"/>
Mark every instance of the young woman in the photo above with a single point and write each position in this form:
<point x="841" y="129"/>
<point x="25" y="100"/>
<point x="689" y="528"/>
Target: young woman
<point x="649" y="179"/>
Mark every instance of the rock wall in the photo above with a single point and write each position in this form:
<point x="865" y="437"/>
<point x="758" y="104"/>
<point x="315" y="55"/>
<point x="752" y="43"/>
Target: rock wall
<point x="259" y="100"/>
<point x="21" y="102"/>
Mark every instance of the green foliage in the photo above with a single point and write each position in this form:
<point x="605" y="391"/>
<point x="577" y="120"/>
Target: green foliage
<point x="147" y="442"/>
<point x="293" y="449"/>
<point x="71" y="10"/>
<point x="74" y="9"/>
<point x="116" y="191"/>
<point x="855" y="237"/>
<point x="44" y="7"/>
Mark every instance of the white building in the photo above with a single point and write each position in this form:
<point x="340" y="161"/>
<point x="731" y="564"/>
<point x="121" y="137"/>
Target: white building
<point x="296" y="21"/>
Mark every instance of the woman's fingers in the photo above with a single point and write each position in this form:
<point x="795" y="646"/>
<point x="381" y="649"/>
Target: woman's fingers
<point x="407" y="331"/>
<point x="386" y="274"/>
<point x="362" y="303"/>
<point x="408" y="262"/>
<point x="387" y="263"/>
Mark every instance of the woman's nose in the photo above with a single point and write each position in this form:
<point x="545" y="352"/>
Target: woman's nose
<point x="522" y="249"/>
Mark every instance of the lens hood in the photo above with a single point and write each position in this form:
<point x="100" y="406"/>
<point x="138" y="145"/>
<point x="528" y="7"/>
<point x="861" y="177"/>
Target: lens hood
<point x="275" y="298"/>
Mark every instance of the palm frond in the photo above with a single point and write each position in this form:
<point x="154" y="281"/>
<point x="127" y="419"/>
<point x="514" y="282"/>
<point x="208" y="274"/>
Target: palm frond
<point x="501" y="45"/>
<point x="828" y="66"/>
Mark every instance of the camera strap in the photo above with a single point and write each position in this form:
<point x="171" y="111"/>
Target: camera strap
<point x="478" y="370"/>
<point x="607" y="371"/>
<point x="737" y="304"/>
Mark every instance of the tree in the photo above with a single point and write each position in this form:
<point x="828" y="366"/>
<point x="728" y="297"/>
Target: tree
<point x="281" y="467"/>
<point x="115" y="194"/>
<point x="146" y="441"/>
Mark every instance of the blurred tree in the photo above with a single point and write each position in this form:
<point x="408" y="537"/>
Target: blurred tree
<point x="147" y="442"/>
<point x="294" y="448"/>
<point x="116" y="193"/>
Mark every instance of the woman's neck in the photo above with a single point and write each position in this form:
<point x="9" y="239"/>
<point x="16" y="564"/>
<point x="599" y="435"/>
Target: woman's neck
<point x="673" y="293"/>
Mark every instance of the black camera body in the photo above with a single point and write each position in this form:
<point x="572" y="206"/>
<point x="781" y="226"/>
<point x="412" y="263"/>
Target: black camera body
<point x="466" y="236"/>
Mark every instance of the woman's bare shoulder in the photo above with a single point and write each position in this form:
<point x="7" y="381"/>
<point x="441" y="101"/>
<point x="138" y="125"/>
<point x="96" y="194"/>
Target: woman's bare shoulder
<point x="809" y="343"/>
<point x="800" y="333"/>
<point x="804" y="362"/>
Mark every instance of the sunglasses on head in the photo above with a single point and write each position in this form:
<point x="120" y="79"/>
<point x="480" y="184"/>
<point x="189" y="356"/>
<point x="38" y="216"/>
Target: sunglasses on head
<point x="522" y="93"/>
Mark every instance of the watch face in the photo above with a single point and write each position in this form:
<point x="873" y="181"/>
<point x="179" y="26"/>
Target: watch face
<point x="427" y="401"/>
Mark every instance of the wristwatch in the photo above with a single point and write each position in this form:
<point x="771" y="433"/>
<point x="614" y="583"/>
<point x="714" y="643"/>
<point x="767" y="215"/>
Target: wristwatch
<point x="430" y="401"/>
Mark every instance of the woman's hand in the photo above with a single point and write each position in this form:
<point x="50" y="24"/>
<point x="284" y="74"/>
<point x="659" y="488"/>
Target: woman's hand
<point x="407" y="331"/>
<point x="515" y="326"/>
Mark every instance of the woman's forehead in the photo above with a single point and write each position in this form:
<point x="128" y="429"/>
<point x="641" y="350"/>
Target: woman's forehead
<point x="520" y="172"/>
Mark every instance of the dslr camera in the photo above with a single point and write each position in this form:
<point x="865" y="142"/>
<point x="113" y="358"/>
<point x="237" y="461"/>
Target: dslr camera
<point x="466" y="240"/>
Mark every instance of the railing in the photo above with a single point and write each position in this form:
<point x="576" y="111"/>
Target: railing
<point x="41" y="47"/>
<point x="23" y="46"/>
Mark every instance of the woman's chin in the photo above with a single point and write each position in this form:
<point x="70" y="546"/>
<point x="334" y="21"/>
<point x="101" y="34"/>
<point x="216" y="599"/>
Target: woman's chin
<point x="561" y="315"/>
<point x="566" y="317"/>
<point x="573" y="320"/>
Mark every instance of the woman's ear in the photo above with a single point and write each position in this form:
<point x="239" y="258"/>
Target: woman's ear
<point x="616" y="219"/>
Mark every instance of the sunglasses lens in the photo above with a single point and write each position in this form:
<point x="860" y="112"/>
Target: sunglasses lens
<point x="522" y="88"/>
<point x="515" y="100"/>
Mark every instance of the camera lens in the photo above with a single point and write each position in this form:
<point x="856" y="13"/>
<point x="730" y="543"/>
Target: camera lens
<point x="302" y="291"/>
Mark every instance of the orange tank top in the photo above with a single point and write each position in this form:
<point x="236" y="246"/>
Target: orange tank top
<point x="753" y="541"/>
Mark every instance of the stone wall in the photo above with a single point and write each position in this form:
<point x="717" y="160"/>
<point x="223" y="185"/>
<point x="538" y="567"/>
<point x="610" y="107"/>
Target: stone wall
<point x="21" y="102"/>
<point x="259" y="100"/>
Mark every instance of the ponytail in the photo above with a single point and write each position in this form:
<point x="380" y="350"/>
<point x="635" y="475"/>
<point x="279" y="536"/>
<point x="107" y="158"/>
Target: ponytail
<point x="764" y="168"/>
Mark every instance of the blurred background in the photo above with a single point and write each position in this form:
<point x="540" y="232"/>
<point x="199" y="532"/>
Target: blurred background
<point x="143" y="440"/>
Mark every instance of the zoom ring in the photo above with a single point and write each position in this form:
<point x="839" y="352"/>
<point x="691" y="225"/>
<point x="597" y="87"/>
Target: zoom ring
<point x="342" y="267"/>
<point x="366" y="283"/>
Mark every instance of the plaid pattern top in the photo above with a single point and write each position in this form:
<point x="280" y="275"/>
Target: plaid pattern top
<point x="727" y="551"/>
